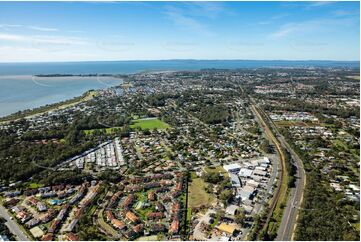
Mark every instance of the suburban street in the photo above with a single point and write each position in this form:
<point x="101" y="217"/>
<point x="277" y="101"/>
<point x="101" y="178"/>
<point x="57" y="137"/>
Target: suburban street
<point x="13" y="226"/>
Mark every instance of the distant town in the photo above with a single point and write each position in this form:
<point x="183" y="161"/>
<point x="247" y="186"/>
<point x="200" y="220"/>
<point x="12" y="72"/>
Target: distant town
<point x="220" y="155"/>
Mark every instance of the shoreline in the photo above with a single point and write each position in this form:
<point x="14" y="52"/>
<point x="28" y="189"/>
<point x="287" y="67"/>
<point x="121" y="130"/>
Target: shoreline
<point x="88" y="95"/>
<point x="19" y="95"/>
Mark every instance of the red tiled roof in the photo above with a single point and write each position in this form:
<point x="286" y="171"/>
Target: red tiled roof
<point x="174" y="227"/>
<point x="155" y="215"/>
<point x="132" y="217"/>
<point x="118" y="224"/>
<point x="47" y="237"/>
<point x="72" y="237"/>
<point x="138" y="228"/>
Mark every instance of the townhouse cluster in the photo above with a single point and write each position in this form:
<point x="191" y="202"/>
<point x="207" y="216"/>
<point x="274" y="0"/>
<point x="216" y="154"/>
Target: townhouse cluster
<point x="108" y="155"/>
<point x="148" y="205"/>
<point x="51" y="212"/>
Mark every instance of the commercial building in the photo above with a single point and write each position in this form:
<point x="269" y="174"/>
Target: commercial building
<point x="232" y="168"/>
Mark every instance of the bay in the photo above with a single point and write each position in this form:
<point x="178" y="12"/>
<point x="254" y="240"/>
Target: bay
<point x="19" y="90"/>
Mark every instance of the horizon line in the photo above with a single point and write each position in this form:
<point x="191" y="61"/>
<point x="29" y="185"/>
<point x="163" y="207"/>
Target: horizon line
<point x="150" y="60"/>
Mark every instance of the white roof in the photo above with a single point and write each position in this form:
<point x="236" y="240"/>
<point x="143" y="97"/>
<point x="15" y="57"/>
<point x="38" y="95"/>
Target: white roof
<point x="255" y="162"/>
<point x="244" y="172"/>
<point x="265" y="160"/>
<point x="260" y="168"/>
<point x="224" y="238"/>
<point x="247" y="208"/>
<point x="354" y="187"/>
<point x="260" y="173"/>
<point x="231" y="209"/>
<point x="231" y="167"/>
<point x="252" y="183"/>
<point x="245" y="195"/>
<point x="235" y="178"/>
<point x="248" y="188"/>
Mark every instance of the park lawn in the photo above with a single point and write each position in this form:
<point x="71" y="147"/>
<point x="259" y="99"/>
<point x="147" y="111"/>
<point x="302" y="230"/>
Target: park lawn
<point x="149" y="123"/>
<point x="218" y="169"/>
<point x="286" y="123"/>
<point x="197" y="194"/>
<point x="34" y="185"/>
<point x="107" y="130"/>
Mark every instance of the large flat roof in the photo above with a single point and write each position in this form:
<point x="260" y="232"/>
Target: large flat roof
<point x="245" y="172"/>
<point x="231" y="166"/>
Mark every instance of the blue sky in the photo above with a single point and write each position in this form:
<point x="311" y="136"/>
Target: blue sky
<point x="85" y="31"/>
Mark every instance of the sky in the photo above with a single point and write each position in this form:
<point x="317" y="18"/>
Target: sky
<point x="94" y="31"/>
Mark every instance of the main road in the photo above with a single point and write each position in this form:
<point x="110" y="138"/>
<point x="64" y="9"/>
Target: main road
<point x="288" y="224"/>
<point x="290" y="215"/>
<point x="12" y="225"/>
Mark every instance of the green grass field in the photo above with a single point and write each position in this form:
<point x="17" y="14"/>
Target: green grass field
<point x="218" y="169"/>
<point x="153" y="123"/>
<point x="107" y="130"/>
<point x="35" y="185"/>
<point x="197" y="195"/>
<point x="285" y="123"/>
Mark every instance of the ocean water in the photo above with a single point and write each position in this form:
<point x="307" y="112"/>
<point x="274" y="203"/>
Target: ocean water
<point x="127" y="67"/>
<point x="19" y="90"/>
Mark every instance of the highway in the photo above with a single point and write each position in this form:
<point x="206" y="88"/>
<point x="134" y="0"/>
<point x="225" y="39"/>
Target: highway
<point x="289" y="220"/>
<point x="13" y="226"/>
<point x="290" y="214"/>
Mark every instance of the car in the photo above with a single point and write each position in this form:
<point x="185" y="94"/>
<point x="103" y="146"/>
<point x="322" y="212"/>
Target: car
<point x="11" y="218"/>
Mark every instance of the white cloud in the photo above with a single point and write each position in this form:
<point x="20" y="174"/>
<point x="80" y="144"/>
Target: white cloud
<point x="283" y="31"/>
<point x="279" y="16"/>
<point x="309" y="5"/>
<point x="315" y="26"/>
<point x="64" y="40"/>
<point x="76" y="31"/>
<point x="32" y="27"/>
<point x="205" y="9"/>
<point x="45" y="29"/>
<point x="10" y="25"/>
<point x="11" y="37"/>
<point x="181" y="19"/>
<point x="344" y="13"/>
<point x="18" y="49"/>
<point x="264" y="22"/>
<point x="319" y="4"/>
<point x="44" y="39"/>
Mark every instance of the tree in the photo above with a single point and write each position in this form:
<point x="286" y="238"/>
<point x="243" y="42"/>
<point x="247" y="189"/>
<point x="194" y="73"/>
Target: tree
<point x="212" y="177"/>
<point x="226" y="195"/>
<point x="239" y="218"/>
<point x="265" y="146"/>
